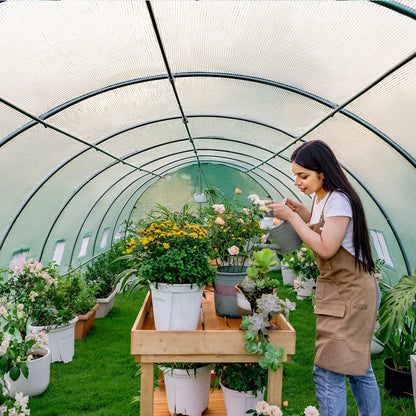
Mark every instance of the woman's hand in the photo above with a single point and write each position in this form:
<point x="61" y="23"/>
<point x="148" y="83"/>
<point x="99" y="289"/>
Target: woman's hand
<point x="281" y="211"/>
<point x="293" y="204"/>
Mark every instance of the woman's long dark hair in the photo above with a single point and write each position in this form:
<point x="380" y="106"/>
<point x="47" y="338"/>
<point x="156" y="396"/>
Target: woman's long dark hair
<point x="316" y="155"/>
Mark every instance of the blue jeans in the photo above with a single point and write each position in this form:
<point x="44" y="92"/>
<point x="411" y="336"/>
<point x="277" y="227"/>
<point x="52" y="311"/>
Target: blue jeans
<point x="331" y="393"/>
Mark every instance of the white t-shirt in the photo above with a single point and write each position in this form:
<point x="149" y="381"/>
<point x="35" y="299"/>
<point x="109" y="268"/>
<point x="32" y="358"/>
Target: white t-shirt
<point x="338" y="205"/>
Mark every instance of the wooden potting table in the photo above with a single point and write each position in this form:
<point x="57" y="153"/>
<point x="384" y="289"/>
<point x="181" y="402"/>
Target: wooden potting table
<point x="217" y="339"/>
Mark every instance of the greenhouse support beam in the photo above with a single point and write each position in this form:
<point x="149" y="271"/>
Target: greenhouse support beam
<point x="48" y="125"/>
<point x="349" y="101"/>
<point x="171" y="78"/>
<point x="397" y="7"/>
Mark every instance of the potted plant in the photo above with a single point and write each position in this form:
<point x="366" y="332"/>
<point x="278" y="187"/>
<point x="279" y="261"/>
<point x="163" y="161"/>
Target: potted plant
<point x="84" y="304"/>
<point x="257" y="281"/>
<point x="208" y="194"/>
<point x="25" y="357"/>
<point x="303" y="265"/>
<point x="102" y="274"/>
<point x="398" y="331"/>
<point x="187" y="387"/>
<point x="233" y="230"/>
<point x="171" y="258"/>
<point x="242" y="384"/>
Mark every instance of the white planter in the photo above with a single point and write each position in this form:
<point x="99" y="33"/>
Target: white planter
<point x="287" y="275"/>
<point x="187" y="393"/>
<point x="377" y="346"/>
<point x="106" y="304"/>
<point x="176" y="307"/>
<point x="306" y="291"/>
<point x="237" y="403"/>
<point x="37" y="381"/>
<point x="61" y="340"/>
<point x="200" y="197"/>
<point x="413" y="371"/>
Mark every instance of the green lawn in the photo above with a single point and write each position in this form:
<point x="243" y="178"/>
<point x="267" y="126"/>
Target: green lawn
<point x="101" y="379"/>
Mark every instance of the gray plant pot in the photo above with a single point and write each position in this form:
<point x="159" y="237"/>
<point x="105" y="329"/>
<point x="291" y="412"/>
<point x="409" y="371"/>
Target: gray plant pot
<point x="225" y="296"/>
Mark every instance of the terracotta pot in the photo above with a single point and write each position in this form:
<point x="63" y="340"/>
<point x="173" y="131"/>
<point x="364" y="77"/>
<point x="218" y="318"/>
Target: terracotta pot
<point x="85" y="323"/>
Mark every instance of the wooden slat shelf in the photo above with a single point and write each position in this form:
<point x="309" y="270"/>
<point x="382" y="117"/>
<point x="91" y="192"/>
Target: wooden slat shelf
<point x="217" y="339"/>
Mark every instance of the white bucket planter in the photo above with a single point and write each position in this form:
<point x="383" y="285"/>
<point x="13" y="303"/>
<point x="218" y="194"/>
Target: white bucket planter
<point x="176" y="307"/>
<point x="187" y="393"/>
<point x="287" y="275"/>
<point x="306" y="291"/>
<point x="200" y="197"/>
<point x="106" y="304"/>
<point x="413" y="371"/>
<point x="237" y="403"/>
<point x="61" y="340"/>
<point x="38" y="378"/>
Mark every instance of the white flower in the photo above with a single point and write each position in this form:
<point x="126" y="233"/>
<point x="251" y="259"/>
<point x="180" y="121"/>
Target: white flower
<point x="233" y="250"/>
<point x="33" y="295"/>
<point x="288" y="305"/>
<point x="3" y="312"/>
<point x="20" y="314"/>
<point x="262" y="407"/>
<point x="274" y="411"/>
<point x="254" y="198"/>
<point x="311" y="411"/>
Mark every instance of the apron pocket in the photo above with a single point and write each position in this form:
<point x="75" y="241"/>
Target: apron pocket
<point x="330" y="320"/>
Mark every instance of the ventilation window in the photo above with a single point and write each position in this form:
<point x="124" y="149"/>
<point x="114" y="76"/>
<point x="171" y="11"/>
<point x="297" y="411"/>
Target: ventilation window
<point x="104" y="239"/>
<point x="17" y="259"/>
<point x="381" y="247"/>
<point x="59" y="251"/>
<point x="118" y="234"/>
<point x="84" y="245"/>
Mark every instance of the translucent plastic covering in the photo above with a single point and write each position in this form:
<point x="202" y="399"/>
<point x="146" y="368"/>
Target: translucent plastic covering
<point x="109" y="106"/>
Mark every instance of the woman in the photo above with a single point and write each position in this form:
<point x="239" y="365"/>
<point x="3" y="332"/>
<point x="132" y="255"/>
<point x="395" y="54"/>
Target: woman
<point x="346" y="290"/>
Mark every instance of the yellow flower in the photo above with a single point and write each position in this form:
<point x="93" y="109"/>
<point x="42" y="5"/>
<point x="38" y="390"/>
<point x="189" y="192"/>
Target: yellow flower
<point x="166" y="245"/>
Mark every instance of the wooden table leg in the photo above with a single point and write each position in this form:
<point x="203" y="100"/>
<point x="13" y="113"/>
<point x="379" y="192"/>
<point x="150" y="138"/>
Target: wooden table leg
<point x="274" y="389"/>
<point x="146" y="390"/>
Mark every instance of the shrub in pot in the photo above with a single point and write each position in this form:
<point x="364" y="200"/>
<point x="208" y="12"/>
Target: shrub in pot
<point x="170" y="257"/>
<point x="398" y="331"/>
<point x="187" y="387"/>
<point x="243" y="385"/>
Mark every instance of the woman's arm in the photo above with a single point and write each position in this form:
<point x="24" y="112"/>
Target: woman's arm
<point x="325" y="244"/>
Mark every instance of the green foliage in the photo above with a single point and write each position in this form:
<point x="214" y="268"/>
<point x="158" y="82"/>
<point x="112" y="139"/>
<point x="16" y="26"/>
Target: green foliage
<point x="242" y="377"/>
<point x="169" y="252"/>
<point x="103" y="271"/>
<point x="302" y="263"/>
<point x="233" y="227"/>
<point x="398" y="321"/>
<point x="258" y="279"/>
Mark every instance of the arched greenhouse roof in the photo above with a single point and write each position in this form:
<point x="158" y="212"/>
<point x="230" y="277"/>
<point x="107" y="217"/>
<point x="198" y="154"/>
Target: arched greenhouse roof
<point x="103" y="101"/>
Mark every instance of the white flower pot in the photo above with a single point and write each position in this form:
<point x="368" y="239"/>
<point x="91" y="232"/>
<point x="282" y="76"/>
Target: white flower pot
<point x="287" y="275"/>
<point x="61" y="340"/>
<point x="176" y="307"/>
<point x="237" y="403"/>
<point x="200" y="197"/>
<point x="106" y="304"/>
<point x="187" y="393"/>
<point x="413" y="371"/>
<point x="306" y="291"/>
<point x="37" y="381"/>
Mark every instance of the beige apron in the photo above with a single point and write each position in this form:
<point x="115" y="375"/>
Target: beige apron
<point x="346" y="309"/>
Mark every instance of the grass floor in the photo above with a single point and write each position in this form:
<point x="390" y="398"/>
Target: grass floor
<point x="101" y="379"/>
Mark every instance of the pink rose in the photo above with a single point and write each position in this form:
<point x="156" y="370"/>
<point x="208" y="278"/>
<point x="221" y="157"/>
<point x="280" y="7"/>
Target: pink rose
<point x="219" y="221"/>
<point x="311" y="411"/>
<point x="233" y="250"/>
<point x="219" y="208"/>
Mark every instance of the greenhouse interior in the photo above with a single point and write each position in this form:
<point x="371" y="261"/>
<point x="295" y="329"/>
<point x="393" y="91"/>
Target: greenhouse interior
<point x="116" y="115"/>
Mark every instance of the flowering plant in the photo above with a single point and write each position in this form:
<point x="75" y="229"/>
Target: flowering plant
<point x="233" y="228"/>
<point x="265" y="409"/>
<point x="13" y="407"/>
<point x="242" y="377"/>
<point x="169" y="252"/>
<point x="302" y="263"/>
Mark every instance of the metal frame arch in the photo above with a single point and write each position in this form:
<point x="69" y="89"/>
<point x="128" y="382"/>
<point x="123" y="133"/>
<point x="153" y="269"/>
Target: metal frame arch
<point x="107" y="167"/>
